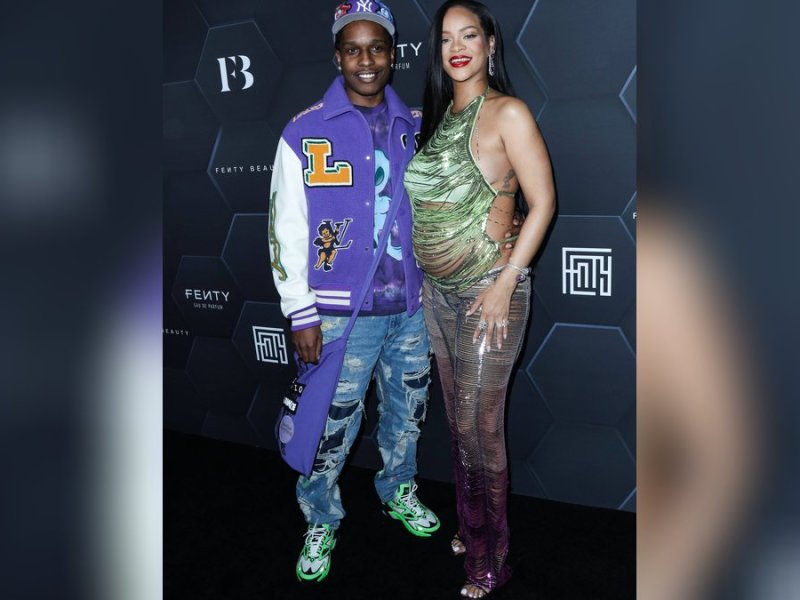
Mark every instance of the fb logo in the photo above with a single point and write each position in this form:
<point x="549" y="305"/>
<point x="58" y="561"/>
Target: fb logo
<point x="224" y="73"/>
<point x="586" y="271"/>
<point x="270" y="345"/>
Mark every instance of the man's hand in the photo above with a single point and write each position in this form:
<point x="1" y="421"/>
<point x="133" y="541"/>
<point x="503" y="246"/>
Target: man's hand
<point x="308" y="343"/>
<point x="516" y="225"/>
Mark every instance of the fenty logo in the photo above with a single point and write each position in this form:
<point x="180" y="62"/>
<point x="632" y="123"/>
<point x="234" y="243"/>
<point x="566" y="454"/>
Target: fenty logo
<point x="318" y="173"/>
<point x="330" y="242"/>
<point x="224" y="73"/>
<point x="586" y="271"/>
<point x="215" y="295"/>
<point x="270" y="345"/>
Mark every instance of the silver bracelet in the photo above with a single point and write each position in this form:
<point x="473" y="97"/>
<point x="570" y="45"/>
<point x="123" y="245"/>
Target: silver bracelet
<point x="523" y="272"/>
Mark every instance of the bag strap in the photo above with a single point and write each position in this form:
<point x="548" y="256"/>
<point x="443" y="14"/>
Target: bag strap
<point x="397" y="198"/>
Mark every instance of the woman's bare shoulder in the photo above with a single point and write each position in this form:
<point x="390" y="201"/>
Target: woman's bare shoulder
<point x="507" y="108"/>
<point x="513" y="117"/>
<point x="510" y="107"/>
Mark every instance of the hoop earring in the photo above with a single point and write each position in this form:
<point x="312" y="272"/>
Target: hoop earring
<point x="491" y="65"/>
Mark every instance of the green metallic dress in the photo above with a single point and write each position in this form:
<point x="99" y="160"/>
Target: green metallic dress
<point x="450" y="200"/>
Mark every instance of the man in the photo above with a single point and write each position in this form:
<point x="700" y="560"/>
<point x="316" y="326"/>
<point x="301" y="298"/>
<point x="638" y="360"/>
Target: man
<point x="338" y="164"/>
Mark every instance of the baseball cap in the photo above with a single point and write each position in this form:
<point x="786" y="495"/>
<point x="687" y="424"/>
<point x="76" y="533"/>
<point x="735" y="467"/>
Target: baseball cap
<point x="366" y="10"/>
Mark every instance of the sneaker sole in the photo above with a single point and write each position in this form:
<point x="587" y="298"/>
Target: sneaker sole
<point x="316" y="578"/>
<point x="418" y="532"/>
<point x="303" y="578"/>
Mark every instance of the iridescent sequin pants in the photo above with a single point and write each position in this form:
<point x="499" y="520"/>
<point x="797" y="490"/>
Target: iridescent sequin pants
<point x="474" y="384"/>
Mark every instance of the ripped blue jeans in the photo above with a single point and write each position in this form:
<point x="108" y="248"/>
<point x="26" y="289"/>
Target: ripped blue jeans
<point x="395" y="350"/>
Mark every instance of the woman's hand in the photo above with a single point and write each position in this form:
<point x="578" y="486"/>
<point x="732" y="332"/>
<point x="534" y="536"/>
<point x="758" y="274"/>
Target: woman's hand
<point x="493" y="305"/>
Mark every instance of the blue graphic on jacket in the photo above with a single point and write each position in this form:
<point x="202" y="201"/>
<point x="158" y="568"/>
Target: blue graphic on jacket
<point x="330" y="242"/>
<point x="382" y="202"/>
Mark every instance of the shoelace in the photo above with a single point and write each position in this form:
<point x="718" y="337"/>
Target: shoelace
<point x="314" y="538"/>
<point x="410" y="500"/>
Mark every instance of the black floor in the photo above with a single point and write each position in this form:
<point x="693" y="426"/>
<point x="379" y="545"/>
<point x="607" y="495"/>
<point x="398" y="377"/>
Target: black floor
<point x="232" y="530"/>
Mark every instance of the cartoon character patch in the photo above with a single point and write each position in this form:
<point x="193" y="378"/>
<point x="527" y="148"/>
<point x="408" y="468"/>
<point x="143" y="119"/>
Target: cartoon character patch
<point x="382" y="204"/>
<point x="330" y="242"/>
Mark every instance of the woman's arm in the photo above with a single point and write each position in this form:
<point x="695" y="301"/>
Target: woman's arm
<point x="527" y="154"/>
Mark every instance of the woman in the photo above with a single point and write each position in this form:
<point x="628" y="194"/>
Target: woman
<point x="480" y="146"/>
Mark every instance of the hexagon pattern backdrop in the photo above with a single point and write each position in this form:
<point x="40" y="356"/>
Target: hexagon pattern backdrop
<point x="235" y="71"/>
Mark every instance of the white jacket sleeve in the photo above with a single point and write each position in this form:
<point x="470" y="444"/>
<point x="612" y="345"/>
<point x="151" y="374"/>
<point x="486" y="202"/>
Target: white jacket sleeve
<point x="288" y="239"/>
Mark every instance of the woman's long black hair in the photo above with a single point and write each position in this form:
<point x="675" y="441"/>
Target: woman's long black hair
<point x="438" y="86"/>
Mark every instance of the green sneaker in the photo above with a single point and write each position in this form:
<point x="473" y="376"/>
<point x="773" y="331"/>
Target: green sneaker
<point x="315" y="558"/>
<point x="406" y="507"/>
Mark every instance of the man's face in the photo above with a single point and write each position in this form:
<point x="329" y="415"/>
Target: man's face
<point x="366" y="55"/>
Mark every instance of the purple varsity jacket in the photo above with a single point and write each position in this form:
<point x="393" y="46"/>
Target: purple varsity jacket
<point x="322" y="198"/>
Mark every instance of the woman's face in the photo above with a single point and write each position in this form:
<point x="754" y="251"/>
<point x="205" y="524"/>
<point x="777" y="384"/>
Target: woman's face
<point x="465" y="49"/>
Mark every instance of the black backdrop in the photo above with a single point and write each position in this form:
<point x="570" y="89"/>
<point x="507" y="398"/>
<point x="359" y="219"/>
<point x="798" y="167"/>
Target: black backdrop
<point x="236" y="70"/>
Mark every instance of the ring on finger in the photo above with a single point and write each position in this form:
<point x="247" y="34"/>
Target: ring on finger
<point x="481" y="324"/>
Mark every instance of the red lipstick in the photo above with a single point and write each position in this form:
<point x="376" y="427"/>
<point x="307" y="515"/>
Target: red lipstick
<point x="459" y="61"/>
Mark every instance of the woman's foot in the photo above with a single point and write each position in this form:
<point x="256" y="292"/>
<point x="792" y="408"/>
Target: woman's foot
<point x="457" y="546"/>
<point x="471" y="590"/>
